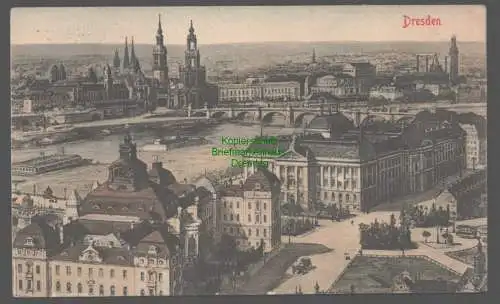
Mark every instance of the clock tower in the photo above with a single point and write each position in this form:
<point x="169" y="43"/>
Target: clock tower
<point x="160" y="67"/>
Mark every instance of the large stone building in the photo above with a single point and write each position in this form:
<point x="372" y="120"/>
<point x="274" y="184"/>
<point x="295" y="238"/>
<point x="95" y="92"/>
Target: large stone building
<point x="26" y="206"/>
<point x="248" y="211"/>
<point x="359" y="168"/>
<point x="340" y="85"/>
<point x="259" y="91"/>
<point x="475" y="148"/>
<point x="135" y="235"/>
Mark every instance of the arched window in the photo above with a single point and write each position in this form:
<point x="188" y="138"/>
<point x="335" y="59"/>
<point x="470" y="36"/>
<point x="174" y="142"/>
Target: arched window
<point x="125" y="290"/>
<point x="68" y="287"/>
<point x="143" y="293"/>
<point x="80" y="288"/>
<point x="101" y="290"/>
<point x="58" y="286"/>
<point x="112" y="290"/>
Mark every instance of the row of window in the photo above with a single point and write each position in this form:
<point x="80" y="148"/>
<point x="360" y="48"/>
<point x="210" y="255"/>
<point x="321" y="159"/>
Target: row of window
<point x="340" y="197"/>
<point x="231" y="217"/>
<point x="112" y="290"/>
<point x="29" y="285"/>
<point x="239" y="231"/>
<point x="90" y="271"/>
<point x="257" y="205"/>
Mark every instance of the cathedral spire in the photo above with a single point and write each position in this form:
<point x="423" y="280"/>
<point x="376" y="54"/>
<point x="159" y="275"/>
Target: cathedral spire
<point x="159" y="31"/>
<point x="116" y="60"/>
<point x="126" y="59"/>
<point x="133" y="58"/>
<point x="191" y="28"/>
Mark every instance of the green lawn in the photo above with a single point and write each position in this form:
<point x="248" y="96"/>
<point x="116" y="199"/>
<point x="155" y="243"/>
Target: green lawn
<point x="465" y="256"/>
<point x="375" y="274"/>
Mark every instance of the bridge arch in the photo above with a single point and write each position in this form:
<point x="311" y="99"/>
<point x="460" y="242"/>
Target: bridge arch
<point x="219" y="114"/>
<point x="405" y="120"/>
<point x="198" y="114"/>
<point x="243" y="115"/>
<point x="268" y="117"/>
<point x="304" y="118"/>
<point x="371" y="119"/>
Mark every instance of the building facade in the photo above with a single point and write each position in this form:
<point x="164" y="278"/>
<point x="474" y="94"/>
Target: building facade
<point x="475" y="148"/>
<point x="259" y="91"/>
<point x="359" y="168"/>
<point x="250" y="212"/>
<point x="363" y="73"/>
<point x="134" y="234"/>
<point x="339" y="85"/>
<point x="386" y="92"/>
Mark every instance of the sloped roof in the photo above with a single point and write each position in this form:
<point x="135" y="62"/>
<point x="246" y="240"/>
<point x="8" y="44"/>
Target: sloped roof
<point x="265" y="179"/>
<point x="43" y="236"/>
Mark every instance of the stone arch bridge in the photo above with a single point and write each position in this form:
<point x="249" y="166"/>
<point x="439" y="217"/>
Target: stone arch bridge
<point x="296" y="117"/>
<point x="299" y="116"/>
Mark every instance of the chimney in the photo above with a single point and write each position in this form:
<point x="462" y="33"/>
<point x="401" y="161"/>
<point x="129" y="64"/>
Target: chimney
<point x="418" y="63"/>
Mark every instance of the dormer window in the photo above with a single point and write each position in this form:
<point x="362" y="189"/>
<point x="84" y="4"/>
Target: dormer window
<point x="29" y="241"/>
<point x="153" y="250"/>
<point x="257" y="187"/>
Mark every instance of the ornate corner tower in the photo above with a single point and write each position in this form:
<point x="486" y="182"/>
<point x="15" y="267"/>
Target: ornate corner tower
<point x="160" y="67"/>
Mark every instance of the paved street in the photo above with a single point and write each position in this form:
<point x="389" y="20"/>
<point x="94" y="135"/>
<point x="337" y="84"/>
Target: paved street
<point x="343" y="237"/>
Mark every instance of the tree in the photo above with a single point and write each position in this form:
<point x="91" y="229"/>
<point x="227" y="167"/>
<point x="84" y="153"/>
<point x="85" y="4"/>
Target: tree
<point x="426" y="234"/>
<point x="316" y="287"/>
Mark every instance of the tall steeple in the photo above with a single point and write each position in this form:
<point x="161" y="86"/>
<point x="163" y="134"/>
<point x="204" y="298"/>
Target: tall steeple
<point x="454" y="63"/>
<point x="159" y="32"/>
<point x="116" y="60"/>
<point x="126" y="60"/>
<point x="192" y="52"/>
<point x="133" y="58"/>
<point x="160" y="67"/>
<point x="192" y="74"/>
<point x="313" y="56"/>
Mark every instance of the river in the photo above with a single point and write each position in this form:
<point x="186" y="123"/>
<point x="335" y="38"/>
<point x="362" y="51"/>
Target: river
<point x="185" y="163"/>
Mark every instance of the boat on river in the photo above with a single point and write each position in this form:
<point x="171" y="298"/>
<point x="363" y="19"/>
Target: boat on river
<point x="173" y="142"/>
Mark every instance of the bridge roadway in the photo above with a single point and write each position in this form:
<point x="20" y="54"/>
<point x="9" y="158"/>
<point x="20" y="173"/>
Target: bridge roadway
<point x="297" y="116"/>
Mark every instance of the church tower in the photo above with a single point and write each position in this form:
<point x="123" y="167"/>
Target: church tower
<point x="160" y="67"/>
<point x="116" y="61"/>
<point x="108" y="82"/>
<point x="454" y="64"/>
<point x="192" y="73"/>
<point x="126" y="60"/>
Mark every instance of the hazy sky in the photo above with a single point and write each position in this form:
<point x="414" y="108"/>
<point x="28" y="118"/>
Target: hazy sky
<point x="245" y="24"/>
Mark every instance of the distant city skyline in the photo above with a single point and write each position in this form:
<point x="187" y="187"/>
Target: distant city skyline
<point x="226" y="24"/>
